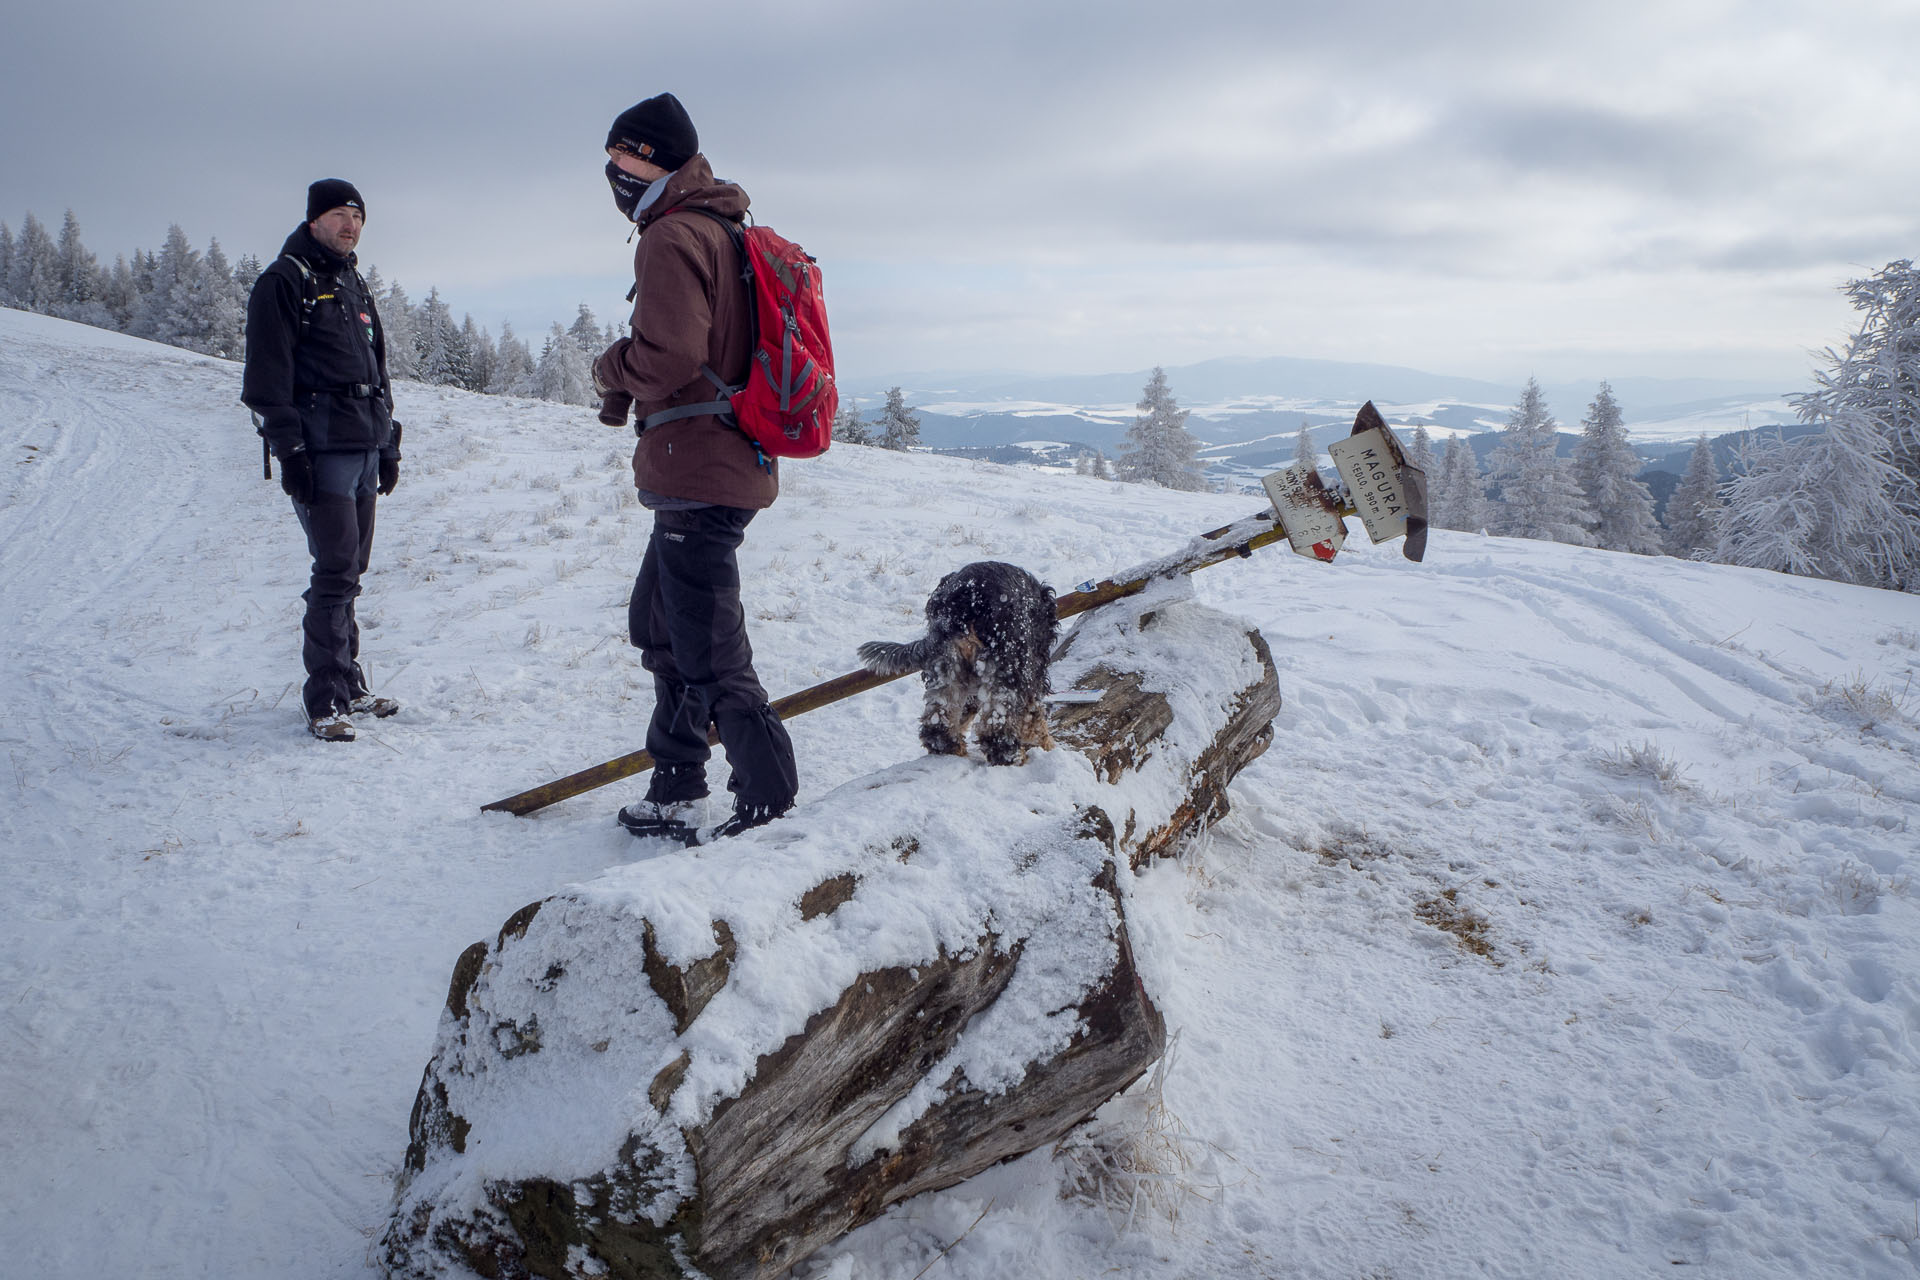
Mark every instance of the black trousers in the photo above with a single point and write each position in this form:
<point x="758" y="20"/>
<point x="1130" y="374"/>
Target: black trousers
<point x="339" y="528"/>
<point x="685" y="617"/>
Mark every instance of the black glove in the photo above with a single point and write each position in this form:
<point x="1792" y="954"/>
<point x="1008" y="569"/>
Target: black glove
<point x="296" y="475"/>
<point x="613" y="408"/>
<point x="390" y="463"/>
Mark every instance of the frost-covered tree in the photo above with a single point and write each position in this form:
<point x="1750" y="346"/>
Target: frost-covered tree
<point x="1608" y="470"/>
<point x="512" y="372"/>
<point x="1304" y="454"/>
<point x="563" y="374"/>
<point x="203" y="314"/>
<point x="33" y="274"/>
<point x="587" y="334"/>
<point x="80" y="279"/>
<point x="119" y="294"/>
<point x="482" y="354"/>
<point x="444" y="357"/>
<point x="1536" y="496"/>
<point x="849" y="427"/>
<point x="400" y="321"/>
<point x="1456" y="496"/>
<point x="898" y="427"/>
<point x="155" y="316"/>
<point x="1844" y="502"/>
<point x="1158" y="448"/>
<point x="1420" y="454"/>
<point x="1694" y="505"/>
<point x="6" y="265"/>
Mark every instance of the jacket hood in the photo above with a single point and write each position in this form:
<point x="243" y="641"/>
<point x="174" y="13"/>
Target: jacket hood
<point x="693" y="186"/>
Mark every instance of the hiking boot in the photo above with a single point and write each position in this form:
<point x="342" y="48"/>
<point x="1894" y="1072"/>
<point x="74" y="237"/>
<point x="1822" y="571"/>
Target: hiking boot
<point x="332" y="727"/>
<point x="368" y="705"/>
<point x="745" y="817"/>
<point x="664" y="819"/>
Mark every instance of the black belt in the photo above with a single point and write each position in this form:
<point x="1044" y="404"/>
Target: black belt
<point x="354" y="391"/>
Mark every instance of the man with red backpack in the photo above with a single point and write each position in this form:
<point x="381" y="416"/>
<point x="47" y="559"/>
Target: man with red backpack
<point x="703" y="478"/>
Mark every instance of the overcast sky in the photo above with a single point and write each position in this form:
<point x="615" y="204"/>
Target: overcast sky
<point x="1492" y="188"/>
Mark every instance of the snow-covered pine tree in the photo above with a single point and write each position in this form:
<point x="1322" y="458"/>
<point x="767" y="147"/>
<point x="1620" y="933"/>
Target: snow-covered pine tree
<point x="849" y="427"/>
<point x="155" y="315"/>
<point x="1102" y="469"/>
<point x="1158" y="449"/>
<point x="119" y="293"/>
<point x="898" y="427"/>
<point x="80" y="279"/>
<point x="1420" y="454"/>
<point x="206" y="317"/>
<point x="1608" y="470"/>
<point x="1457" y="499"/>
<point x="512" y="373"/>
<point x="6" y="265"/>
<point x="1304" y="454"/>
<point x="400" y="321"/>
<point x="1694" y="505"/>
<point x="1844" y="501"/>
<point x="562" y="373"/>
<point x="33" y="276"/>
<point x="1537" y="496"/>
<point x="587" y="334"/>
<point x="444" y="357"/>
<point x="482" y="354"/>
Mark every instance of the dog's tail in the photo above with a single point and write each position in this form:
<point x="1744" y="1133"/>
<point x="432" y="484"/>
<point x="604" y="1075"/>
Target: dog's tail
<point x="885" y="658"/>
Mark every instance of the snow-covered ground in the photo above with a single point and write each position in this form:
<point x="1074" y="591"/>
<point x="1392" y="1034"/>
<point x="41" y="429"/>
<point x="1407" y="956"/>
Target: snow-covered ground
<point x="1568" y="929"/>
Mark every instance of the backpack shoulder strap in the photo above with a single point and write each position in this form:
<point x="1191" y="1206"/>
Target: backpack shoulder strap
<point x="309" y="291"/>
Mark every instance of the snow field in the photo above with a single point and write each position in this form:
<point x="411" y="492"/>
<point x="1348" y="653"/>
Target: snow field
<point x="1566" y="929"/>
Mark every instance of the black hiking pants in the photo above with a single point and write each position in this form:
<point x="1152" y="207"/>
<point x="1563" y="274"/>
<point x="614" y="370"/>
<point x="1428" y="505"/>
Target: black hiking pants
<point x="339" y="528"/>
<point x="685" y="617"/>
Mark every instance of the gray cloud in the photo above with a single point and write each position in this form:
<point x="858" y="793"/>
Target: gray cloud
<point x="1044" y="184"/>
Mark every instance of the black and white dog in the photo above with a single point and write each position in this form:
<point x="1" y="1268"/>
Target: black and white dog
<point x="990" y="629"/>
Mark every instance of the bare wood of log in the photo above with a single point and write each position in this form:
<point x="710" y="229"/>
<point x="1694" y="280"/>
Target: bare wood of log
<point x="1237" y="540"/>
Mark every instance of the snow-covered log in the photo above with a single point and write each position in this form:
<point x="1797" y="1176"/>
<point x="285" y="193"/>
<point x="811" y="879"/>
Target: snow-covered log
<point x="721" y="1059"/>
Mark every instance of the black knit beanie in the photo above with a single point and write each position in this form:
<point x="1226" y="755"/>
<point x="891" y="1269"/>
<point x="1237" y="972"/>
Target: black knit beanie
<point x="333" y="193"/>
<point x="659" y="129"/>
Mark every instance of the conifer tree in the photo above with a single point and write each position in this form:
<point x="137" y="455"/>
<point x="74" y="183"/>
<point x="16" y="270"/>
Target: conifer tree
<point x="898" y="427"/>
<point x="1844" y="502"/>
<point x="1158" y="448"/>
<point x="33" y="275"/>
<point x="6" y="265"/>
<point x="562" y="373"/>
<point x="444" y="357"/>
<point x="119" y="293"/>
<point x="849" y="427"/>
<point x="1608" y="470"/>
<point x="1694" y="505"/>
<point x="481" y="355"/>
<point x="512" y="373"/>
<point x="80" y="280"/>
<point x="1304" y="454"/>
<point x="1457" y="499"/>
<point x="587" y="334"/>
<point x="156" y="316"/>
<point x="400" y="321"/>
<point x="1536" y="494"/>
<point x="1420" y="454"/>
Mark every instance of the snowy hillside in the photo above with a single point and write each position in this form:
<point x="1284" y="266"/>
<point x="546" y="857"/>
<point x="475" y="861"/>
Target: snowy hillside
<point x="1568" y="929"/>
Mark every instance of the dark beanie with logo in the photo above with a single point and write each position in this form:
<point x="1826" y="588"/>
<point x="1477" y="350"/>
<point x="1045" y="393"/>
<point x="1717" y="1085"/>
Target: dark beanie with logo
<point x="659" y="129"/>
<point x="333" y="193"/>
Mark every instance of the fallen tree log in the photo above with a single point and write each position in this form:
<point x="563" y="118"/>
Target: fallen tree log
<point x="721" y="1059"/>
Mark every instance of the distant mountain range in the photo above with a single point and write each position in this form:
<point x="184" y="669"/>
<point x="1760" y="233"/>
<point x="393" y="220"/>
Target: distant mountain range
<point x="1247" y="411"/>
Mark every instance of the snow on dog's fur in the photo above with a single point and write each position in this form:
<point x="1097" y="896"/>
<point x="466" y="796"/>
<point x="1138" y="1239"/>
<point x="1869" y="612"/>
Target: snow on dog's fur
<point x="990" y="629"/>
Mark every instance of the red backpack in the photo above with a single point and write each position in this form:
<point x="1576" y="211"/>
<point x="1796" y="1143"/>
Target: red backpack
<point x="788" y="402"/>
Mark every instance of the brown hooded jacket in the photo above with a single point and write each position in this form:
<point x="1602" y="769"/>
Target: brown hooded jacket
<point x="690" y="307"/>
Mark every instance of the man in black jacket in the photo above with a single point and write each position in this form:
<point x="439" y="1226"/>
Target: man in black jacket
<point x="316" y="380"/>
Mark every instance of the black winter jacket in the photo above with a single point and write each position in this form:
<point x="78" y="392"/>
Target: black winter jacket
<point x="328" y="389"/>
